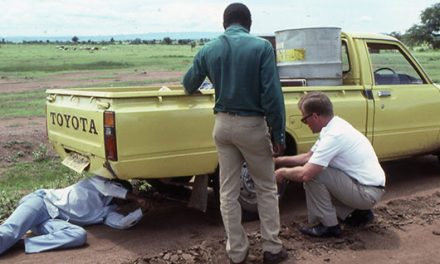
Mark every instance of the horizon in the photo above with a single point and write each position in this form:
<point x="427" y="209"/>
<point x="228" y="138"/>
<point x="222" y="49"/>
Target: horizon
<point x="54" y="18"/>
<point x="120" y="37"/>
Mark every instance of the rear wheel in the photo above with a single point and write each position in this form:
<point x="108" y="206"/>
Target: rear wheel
<point x="248" y="195"/>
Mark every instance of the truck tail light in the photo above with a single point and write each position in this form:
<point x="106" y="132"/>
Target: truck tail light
<point x="111" y="152"/>
<point x="47" y="123"/>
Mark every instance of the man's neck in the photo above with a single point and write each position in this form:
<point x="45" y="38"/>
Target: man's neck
<point x="326" y="120"/>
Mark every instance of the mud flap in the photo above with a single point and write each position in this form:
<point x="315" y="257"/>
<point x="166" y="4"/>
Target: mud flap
<point x="199" y="194"/>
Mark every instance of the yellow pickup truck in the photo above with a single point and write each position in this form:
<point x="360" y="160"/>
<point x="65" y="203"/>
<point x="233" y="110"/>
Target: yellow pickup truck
<point x="164" y="135"/>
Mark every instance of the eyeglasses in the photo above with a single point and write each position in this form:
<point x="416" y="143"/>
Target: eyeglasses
<point x="304" y="119"/>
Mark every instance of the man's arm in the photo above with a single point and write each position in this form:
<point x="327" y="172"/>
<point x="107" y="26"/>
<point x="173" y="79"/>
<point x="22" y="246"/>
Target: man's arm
<point x="120" y="221"/>
<point x="299" y="174"/>
<point x="111" y="188"/>
<point x="195" y="76"/>
<point x="272" y="99"/>
<point x="293" y="161"/>
<point x="131" y="197"/>
<point x="108" y="187"/>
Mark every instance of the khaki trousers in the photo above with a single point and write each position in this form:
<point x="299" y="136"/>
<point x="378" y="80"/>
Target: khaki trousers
<point x="332" y="194"/>
<point x="239" y="139"/>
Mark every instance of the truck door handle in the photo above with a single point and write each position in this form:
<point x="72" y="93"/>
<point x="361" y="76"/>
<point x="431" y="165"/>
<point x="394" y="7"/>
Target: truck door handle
<point x="383" y="93"/>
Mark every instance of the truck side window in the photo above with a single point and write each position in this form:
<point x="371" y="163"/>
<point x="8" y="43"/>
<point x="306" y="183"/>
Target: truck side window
<point x="345" y="58"/>
<point x="390" y="66"/>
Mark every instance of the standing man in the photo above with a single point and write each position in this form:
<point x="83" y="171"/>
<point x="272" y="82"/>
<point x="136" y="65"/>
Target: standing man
<point x="248" y="94"/>
<point x="55" y="216"/>
<point x="341" y="173"/>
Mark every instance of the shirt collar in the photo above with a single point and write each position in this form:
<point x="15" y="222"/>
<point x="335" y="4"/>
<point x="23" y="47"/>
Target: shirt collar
<point x="330" y="123"/>
<point x="236" y="28"/>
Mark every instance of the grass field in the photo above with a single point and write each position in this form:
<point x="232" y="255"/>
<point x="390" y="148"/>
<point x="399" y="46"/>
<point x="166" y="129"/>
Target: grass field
<point x="39" y="60"/>
<point x="31" y="61"/>
<point x="22" y="104"/>
<point x="430" y="61"/>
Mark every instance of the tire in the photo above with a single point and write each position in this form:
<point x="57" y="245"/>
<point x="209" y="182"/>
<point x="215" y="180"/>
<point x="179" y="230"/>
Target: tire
<point x="248" y="196"/>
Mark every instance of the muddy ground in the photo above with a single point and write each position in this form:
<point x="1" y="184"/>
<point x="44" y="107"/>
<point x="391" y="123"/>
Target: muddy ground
<point x="406" y="228"/>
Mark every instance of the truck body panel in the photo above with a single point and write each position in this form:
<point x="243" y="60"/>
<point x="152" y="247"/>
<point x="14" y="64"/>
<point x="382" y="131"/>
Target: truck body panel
<point x="164" y="133"/>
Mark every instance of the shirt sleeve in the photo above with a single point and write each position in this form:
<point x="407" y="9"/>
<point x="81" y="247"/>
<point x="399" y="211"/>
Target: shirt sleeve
<point x="108" y="187"/>
<point x="272" y="96"/>
<point x="324" y="150"/>
<point x="195" y="76"/>
<point x="119" y="221"/>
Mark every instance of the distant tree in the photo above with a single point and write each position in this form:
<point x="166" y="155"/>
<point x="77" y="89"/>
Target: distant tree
<point x="396" y="35"/>
<point x="75" y="39"/>
<point x="428" y="31"/>
<point x="112" y="40"/>
<point x="167" y="40"/>
<point x="183" y="41"/>
<point x="136" y="41"/>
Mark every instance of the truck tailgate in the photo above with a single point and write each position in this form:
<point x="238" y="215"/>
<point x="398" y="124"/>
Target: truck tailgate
<point x="75" y="125"/>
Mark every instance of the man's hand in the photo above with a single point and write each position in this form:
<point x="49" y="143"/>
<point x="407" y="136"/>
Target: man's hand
<point x="139" y="201"/>
<point x="280" y="174"/>
<point x="125" y="207"/>
<point x="278" y="149"/>
<point x="144" y="204"/>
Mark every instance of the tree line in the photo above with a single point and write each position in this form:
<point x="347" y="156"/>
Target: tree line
<point x="425" y="33"/>
<point x="137" y="41"/>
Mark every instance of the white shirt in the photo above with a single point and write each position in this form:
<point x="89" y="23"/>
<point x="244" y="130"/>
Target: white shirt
<point x="89" y="202"/>
<point x="342" y="147"/>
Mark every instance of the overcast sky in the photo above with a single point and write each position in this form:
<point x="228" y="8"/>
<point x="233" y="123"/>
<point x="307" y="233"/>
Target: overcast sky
<point x="111" y="17"/>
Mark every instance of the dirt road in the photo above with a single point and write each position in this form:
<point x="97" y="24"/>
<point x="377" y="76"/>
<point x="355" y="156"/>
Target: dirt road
<point x="406" y="228"/>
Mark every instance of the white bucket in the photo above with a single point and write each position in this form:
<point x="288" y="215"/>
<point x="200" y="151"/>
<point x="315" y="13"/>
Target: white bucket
<point x="313" y="54"/>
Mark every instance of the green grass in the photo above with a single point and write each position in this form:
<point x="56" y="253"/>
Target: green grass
<point x="430" y="61"/>
<point x="133" y="83"/>
<point x="18" y="60"/>
<point x="24" y="178"/>
<point x="22" y="104"/>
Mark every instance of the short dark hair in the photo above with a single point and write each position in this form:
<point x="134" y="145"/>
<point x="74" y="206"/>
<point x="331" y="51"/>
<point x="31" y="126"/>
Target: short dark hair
<point x="316" y="102"/>
<point x="237" y="13"/>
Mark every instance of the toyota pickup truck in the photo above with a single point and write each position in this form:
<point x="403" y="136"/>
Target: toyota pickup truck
<point x="165" y="136"/>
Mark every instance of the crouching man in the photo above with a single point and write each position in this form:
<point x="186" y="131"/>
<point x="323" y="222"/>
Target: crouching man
<point x="55" y="216"/>
<point x="341" y="173"/>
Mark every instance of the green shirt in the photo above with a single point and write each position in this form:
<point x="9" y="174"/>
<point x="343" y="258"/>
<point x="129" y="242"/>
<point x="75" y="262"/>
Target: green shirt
<point x="243" y="71"/>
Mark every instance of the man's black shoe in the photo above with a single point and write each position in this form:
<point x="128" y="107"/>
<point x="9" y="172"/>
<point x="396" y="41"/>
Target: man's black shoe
<point x="270" y="258"/>
<point x="322" y="231"/>
<point x="359" y="218"/>
<point x="241" y="262"/>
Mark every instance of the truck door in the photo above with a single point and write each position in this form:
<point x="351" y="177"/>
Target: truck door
<point x="407" y="105"/>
